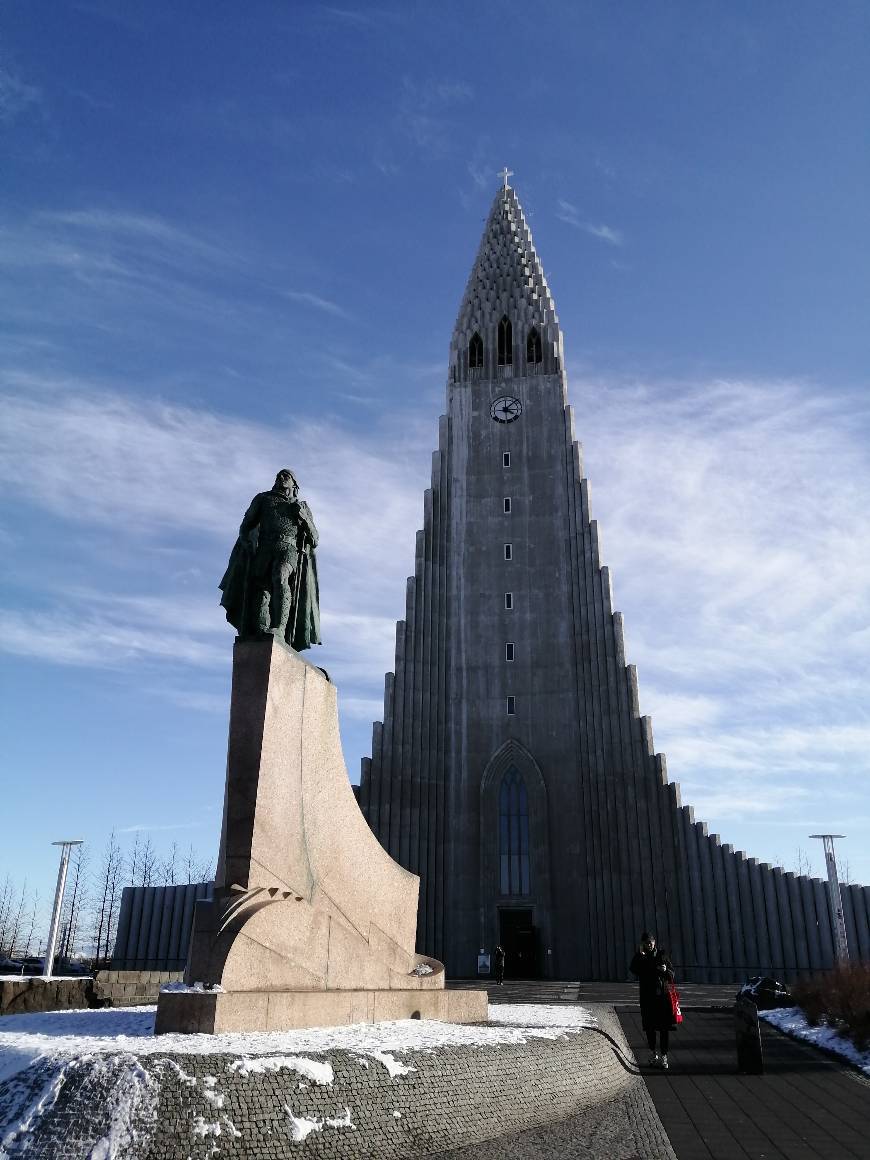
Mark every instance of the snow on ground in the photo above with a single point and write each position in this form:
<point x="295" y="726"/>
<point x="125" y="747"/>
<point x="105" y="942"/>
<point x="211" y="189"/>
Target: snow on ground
<point x="792" y="1021"/>
<point x="113" y="1041"/>
<point x="40" y="979"/>
<point x="65" y="1034"/>
<point x="316" y="1071"/>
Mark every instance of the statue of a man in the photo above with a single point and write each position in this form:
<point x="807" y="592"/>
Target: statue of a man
<point x="270" y="585"/>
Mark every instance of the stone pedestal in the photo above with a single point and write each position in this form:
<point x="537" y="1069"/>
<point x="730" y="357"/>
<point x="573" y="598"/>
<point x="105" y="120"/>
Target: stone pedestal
<point x="312" y="923"/>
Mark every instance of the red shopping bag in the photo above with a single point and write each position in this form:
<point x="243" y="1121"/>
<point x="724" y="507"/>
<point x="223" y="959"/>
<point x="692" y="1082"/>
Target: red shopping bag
<point x="674" y="996"/>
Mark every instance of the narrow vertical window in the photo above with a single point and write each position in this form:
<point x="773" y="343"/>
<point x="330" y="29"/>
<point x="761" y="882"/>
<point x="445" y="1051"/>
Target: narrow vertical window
<point x="507" y="505"/>
<point x="513" y="834"/>
<point x="511" y="706"/>
<point x="505" y="342"/>
<point x="534" y="351"/>
<point x="475" y="351"/>
<point x="508" y="599"/>
<point x="508" y="651"/>
<point x="506" y="459"/>
<point x="508" y="551"/>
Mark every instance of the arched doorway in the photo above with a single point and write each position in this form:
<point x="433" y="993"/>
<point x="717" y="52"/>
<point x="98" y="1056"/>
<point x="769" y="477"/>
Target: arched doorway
<point x="515" y="906"/>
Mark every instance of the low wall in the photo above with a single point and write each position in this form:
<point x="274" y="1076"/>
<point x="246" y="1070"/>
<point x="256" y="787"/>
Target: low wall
<point x="132" y="988"/>
<point x="33" y="993"/>
<point x="107" y="989"/>
<point x="176" y="1106"/>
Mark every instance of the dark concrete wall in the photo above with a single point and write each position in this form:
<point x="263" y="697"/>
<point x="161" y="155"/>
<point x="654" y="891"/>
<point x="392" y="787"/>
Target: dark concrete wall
<point x="154" y="926"/>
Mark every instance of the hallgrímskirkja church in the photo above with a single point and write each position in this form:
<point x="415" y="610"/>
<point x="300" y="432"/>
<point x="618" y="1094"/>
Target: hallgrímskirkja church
<point x="513" y="770"/>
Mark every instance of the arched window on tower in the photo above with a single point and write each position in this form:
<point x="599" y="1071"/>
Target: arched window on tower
<point x="513" y="834"/>
<point x="475" y="351"/>
<point x="534" y="352"/>
<point x="505" y="342"/>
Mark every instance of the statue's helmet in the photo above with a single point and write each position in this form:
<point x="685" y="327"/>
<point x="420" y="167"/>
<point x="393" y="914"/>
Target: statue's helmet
<point x="284" y="474"/>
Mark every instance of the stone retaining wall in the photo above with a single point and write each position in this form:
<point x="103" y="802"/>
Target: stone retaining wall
<point x="107" y="989"/>
<point x="407" y="1104"/>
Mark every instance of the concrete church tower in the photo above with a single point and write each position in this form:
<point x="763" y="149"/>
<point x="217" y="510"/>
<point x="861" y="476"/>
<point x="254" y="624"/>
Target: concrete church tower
<point x="513" y="771"/>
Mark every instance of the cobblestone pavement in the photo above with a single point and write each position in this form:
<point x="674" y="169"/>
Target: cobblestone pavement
<point x="805" y="1106"/>
<point x="625" y="1128"/>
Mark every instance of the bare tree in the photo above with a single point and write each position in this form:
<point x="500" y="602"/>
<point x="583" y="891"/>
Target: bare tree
<point x="148" y="863"/>
<point x="7" y="894"/>
<point x="803" y="863"/>
<point x="107" y="896"/>
<point x="168" y="871"/>
<point x="189" y="865"/>
<point x="74" y="902"/>
<point x="13" y="922"/>
<point x="134" y="858"/>
<point x="31" y="926"/>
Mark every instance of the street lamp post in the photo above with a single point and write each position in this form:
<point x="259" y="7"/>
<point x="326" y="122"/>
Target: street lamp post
<point x="66" y="846"/>
<point x="840" y="943"/>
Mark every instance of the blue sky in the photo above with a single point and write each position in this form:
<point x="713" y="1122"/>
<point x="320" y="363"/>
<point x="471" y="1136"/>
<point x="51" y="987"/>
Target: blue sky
<point x="233" y="239"/>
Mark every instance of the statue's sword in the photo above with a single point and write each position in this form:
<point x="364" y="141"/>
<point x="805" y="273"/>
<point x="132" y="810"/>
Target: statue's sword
<point x="297" y="590"/>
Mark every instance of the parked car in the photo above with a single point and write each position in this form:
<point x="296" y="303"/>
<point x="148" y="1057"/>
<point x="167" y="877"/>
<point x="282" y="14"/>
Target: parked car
<point x="70" y="967"/>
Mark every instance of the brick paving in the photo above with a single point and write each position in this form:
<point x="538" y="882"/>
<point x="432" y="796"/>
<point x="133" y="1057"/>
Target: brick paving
<point x="805" y="1106"/>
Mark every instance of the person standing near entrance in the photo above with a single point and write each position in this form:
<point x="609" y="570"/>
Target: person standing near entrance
<point x="655" y="975"/>
<point x="498" y="961"/>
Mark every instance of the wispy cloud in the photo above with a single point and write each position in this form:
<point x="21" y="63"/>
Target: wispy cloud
<point x="569" y="213"/>
<point x="733" y="517"/>
<point x="16" y="97"/>
<point x="149" y="828"/>
<point x="315" y="301"/>
<point x="136" y="227"/>
<point x="425" y="113"/>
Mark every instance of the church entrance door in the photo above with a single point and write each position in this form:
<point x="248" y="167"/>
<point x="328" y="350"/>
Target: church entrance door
<point x="519" y="938"/>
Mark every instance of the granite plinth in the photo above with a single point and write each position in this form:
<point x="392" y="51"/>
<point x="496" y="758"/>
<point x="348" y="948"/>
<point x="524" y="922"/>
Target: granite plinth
<point x="311" y="922"/>
<point x="215" y="1013"/>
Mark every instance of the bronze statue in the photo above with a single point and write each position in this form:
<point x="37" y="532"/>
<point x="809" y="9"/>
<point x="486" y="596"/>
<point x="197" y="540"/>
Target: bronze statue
<point x="270" y="585"/>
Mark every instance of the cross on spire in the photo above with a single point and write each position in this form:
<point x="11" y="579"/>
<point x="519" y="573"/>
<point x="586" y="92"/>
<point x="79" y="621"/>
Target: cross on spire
<point x="506" y="173"/>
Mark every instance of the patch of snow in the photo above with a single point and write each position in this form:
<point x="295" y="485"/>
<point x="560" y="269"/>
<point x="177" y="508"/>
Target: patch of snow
<point x="340" y="1121"/>
<point x="302" y="1126"/>
<point x="397" y="1115"/>
<point x="422" y="969"/>
<point x="193" y="988"/>
<point x="313" y="1069"/>
<point x="133" y="1096"/>
<point x="42" y="979"/>
<point x="393" y="1066"/>
<point x="231" y="1128"/>
<point x="792" y="1021"/>
<point x="178" y="1071"/>
<point x="201" y="1128"/>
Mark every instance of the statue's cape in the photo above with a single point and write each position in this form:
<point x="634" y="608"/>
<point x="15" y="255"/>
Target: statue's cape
<point x="234" y="581"/>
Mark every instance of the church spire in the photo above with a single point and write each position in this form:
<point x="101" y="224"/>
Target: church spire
<point x="507" y="324"/>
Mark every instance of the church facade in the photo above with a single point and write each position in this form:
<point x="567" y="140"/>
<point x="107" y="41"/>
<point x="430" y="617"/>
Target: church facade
<point x="513" y="770"/>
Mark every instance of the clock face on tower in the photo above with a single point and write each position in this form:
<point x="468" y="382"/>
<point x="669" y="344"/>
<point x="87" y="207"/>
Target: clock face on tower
<point x="505" y="409"/>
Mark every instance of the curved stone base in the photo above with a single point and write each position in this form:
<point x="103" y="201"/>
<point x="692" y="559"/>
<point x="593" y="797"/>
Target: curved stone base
<point x="385" y="1105"/>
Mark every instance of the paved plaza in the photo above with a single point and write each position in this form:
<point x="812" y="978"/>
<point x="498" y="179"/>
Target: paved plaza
<point x="806" y="1106"/>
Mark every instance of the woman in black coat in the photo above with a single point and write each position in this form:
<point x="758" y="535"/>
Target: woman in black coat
<point x="654" y="973"/>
